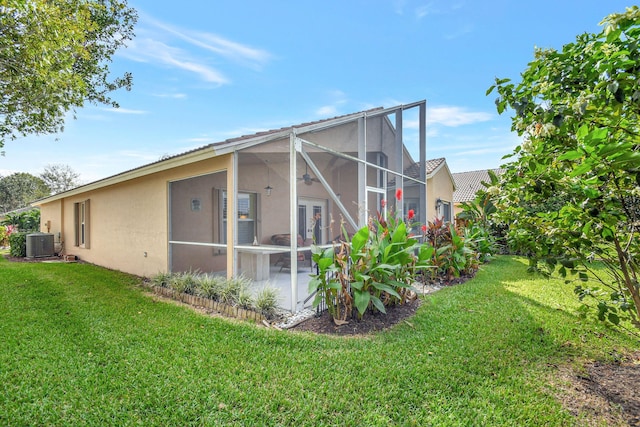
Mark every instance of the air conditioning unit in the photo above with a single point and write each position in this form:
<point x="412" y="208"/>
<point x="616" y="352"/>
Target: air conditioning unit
<point x="40" y="245"/>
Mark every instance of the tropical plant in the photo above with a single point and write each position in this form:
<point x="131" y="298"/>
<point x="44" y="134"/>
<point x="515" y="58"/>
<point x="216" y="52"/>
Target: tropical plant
<point x="373" y="269"/>
<point x="572" y="191"/>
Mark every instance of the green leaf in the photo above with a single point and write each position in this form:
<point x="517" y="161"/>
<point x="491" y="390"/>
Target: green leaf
<point x="378" y="304"/>
<point x="358" y="241"/>
<point x="597" y="135"/>
<point x="571" y="155"/>
<point x="361" y="300"/>
<point x="581" y="169"/>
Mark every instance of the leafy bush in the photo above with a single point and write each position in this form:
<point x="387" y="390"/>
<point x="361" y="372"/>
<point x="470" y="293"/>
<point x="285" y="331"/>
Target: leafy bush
<point x="4" y="235"/>
<point x="18" y="244"/>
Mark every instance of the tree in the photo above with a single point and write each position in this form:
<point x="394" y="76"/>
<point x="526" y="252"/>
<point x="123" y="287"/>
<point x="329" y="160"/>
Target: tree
<point x="59" y="178"/>
<point x="20" y="189"/>
<point x="572" y="192"/>
<point x="53" y="59"/>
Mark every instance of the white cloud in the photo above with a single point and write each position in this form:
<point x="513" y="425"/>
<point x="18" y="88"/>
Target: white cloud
<point x="235" y="51"/>
<point x="453" y="116"/>
<point x="124" y="111"/>
<point x="150" y="50"/>
<point x="327" y="110"/>
<point x="424" y="10"/>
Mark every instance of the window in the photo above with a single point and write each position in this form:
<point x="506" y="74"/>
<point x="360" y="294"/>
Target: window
<point x="247" y="214"/>
<point x="81" y="222"/>
<point x="446" y="211"/>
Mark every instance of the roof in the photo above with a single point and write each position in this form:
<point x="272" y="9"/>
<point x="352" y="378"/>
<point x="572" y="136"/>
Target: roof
<point x="433" y="165"/>
<point x="223" y="147"/>
<point x="468" y="183"/>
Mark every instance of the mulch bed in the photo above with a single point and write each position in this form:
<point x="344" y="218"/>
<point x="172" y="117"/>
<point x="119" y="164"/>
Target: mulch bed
<point x="371" y="322"/>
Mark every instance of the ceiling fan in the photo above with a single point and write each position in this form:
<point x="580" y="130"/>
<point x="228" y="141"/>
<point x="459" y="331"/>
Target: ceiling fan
<point x="308" y="179"/>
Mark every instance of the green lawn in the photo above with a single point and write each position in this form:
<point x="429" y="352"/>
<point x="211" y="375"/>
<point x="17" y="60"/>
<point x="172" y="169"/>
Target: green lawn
<point x="81" y="345"/>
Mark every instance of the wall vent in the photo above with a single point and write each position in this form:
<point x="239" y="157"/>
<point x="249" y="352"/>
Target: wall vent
<point x="40" y="245"/>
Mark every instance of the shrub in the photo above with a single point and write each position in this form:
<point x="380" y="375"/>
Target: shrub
<point x="18" y="243"/>
<point x="4" y="235"/>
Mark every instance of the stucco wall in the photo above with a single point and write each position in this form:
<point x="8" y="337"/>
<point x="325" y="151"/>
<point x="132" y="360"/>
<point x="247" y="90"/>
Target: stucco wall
<point x="440" y="186"/>
<point x="128" y="225"/>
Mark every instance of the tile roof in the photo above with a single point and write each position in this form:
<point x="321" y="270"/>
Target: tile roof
<point x="413" y="170"/>
<point x="468" y="184"/>
<point x="433" y="164"/>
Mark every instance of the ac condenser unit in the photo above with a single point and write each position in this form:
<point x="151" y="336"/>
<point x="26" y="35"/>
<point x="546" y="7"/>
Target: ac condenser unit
<point x="39" y="245"/>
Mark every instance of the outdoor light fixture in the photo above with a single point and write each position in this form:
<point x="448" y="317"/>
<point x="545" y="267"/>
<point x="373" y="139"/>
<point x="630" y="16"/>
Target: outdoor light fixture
<point x="268" y="188"/>
<point x="438" y="203"/>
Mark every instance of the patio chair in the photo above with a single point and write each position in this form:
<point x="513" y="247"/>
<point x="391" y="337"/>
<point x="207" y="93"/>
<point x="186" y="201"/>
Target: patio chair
<point x="285" y="258"/>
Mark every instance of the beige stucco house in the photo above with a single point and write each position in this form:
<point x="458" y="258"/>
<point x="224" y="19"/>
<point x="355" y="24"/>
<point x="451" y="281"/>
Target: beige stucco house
<point x="229" y="207"/>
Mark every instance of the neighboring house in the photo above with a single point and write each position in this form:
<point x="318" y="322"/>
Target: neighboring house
<point x="229" y="207"/>
<point x="468" y="184"/>
<point x="440" y="188"/>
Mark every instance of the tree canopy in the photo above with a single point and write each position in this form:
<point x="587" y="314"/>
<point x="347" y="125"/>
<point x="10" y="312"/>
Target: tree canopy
<point x="60" y="178"/>
<point x="572" y="191"/>
<point x="54" y="57"/>
<point x="20" y="189"/>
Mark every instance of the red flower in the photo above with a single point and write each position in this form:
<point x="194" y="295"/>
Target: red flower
<point x="399" y="194"/>
<point x="424" y="229"/>
<point x="383" y="203"/>
<point x="411" y="214"/>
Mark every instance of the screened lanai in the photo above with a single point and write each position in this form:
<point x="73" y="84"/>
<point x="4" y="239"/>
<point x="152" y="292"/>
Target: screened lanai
<point x="313" y="182"/>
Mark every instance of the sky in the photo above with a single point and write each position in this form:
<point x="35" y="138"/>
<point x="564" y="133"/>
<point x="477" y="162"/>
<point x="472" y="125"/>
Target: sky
<point x="208" y="70"/>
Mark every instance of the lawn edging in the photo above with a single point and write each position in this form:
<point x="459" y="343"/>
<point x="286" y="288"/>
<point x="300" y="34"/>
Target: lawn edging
<point x="208" y="303"/>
